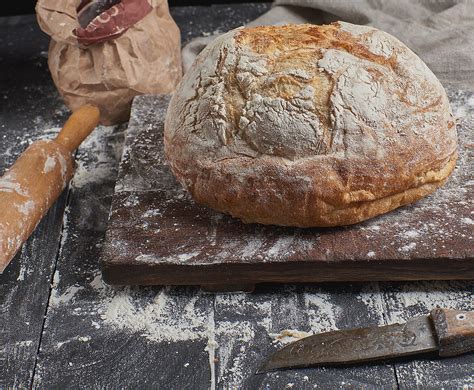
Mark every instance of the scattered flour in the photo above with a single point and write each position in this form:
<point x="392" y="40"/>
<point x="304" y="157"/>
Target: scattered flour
<point x="26" y="208"/>
<point x="186" y="256"/>
<point x="460" y="112"/>
<point x="287" y="336"/>
<point x="21" y="274"/>
<point x="168" y="319"/>
<point x="408" y="248"/>
<point x="178" y="258"/>
<point x="322" y="312"/>
<point x="101" y="171"/>
<point x="82" y="339"/>
<point x="9" y="183"/>
<point x="281" y="246"/>
<point x="25" y="343"/>
<point x="412" y="299"/>
<point x="411" y="234"/>
<point x="162" y="319"/>
<point x="83" y="176"/>
<point x="211" y="349"/>
<point x="57" y="299"/>
<point x="49" y="164"/>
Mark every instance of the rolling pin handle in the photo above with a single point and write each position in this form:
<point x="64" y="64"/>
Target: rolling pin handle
<point x="79" y="125"/>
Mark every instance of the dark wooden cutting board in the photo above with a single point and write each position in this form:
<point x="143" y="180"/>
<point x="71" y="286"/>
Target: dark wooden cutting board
<point x="158" y="235"/>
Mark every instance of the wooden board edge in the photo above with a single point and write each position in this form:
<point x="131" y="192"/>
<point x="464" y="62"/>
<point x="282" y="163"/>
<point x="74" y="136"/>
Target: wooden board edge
<point x="305" y="272"/>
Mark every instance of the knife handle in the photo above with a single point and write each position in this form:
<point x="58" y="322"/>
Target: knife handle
<point x="455" y="331"/>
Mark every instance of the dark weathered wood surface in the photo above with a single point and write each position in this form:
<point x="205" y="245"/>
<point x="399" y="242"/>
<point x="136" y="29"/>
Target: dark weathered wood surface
<point x="157" y="235"/>
<point x="29" y="109"/>
<point x="98" y="336"/>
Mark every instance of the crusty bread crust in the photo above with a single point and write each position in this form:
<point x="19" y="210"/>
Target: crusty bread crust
<point x="304" y="125"/>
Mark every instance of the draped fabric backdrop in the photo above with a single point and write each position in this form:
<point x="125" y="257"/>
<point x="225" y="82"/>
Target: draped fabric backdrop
<point x="441" y="32"/>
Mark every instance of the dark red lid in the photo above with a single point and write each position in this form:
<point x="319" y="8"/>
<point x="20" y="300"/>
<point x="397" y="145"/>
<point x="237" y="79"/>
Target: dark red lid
<point x="102" y="20"/>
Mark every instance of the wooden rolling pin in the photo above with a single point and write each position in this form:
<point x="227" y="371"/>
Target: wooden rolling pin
<point x="35" y="181"/>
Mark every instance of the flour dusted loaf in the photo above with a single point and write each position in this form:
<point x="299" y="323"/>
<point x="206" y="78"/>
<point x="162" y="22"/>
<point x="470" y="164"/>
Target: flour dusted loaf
<point x="304" y="125"/>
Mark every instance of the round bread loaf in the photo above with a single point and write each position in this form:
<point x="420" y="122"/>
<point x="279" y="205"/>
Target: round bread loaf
<point x="305" y="125"/>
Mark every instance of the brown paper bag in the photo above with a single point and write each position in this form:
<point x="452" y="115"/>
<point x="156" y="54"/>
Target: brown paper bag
<point x="105" y="52"/>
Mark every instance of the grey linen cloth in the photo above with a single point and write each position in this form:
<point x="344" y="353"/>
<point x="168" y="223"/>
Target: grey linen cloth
<point x="441" y="32"/>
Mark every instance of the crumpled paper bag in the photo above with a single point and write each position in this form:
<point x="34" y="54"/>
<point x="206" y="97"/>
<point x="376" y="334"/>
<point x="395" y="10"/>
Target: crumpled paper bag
<point x="105" y="52"/>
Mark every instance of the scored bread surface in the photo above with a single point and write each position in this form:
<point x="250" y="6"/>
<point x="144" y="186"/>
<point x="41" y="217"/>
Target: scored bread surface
<point x="305" y="125"/>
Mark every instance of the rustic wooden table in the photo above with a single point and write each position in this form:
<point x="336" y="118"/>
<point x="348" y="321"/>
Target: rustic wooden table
<point x="61" y="326"/>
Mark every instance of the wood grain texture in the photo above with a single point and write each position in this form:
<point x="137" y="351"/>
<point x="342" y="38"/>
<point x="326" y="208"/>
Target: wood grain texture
<point x="29" y="110"/>
<point x="158" y="235"/>
<point x="24" y="292"/>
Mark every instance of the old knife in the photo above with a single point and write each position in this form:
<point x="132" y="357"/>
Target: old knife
<point x="450" y="332"/>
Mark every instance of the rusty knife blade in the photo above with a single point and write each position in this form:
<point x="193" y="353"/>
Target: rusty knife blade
<point x="357" y="345"/>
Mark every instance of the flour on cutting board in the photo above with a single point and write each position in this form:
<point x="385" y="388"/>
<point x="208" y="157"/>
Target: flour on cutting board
<point x="411" y="230"/>
<point x="406" y="232"/>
